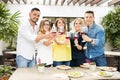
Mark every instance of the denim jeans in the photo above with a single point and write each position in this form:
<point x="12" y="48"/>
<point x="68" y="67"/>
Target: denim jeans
<point x="56" y="63"/>
<point x="22" y="62"/>
<point x="100" y="60"/>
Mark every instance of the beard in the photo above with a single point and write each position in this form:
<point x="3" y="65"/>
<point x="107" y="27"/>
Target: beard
<point x="34" y="20"/>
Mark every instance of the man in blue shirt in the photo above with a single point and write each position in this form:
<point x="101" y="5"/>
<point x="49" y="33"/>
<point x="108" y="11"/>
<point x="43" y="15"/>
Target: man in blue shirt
<point x="95" y="40"/>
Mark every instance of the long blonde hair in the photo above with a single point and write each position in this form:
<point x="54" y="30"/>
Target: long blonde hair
<point x="41" y="27"/>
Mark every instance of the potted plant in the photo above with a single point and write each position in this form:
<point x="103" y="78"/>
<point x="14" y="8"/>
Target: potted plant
<point x="5" y="72"/>
<point x="111" y="23"/>
<point x="8" y="25"/>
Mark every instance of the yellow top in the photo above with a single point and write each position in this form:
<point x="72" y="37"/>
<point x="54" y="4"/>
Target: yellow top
<point x="61" y="52"/>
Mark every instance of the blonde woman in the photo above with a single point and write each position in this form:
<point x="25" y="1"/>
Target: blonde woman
<point x="61" y="46"/>
<point x="44" y="46"/>
<point x="77" y="44"/>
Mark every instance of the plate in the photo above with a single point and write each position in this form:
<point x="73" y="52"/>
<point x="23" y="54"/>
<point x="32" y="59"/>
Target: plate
<point x="63" y="67"/>
<point x="112" y="69"/>
<point x="105" y="73"/>
<point x="85" y="65"/>
<point x="75" y="74"/>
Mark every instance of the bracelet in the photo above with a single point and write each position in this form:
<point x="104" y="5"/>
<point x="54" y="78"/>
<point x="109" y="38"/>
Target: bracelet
<point x="91" y="41"/>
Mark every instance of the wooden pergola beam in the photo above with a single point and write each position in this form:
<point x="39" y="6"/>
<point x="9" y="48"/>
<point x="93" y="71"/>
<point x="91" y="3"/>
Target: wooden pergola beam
<point x="25" y="1"/>
<point x="101" y="2"/>
<point x="95" y="2"/>
<point x="87" y="2"/>
<point x="11" y="1"/>
<point x="5" y="1"/>
<point x="44" y="2"/>
<point x="75" y="1"/>
<point x="49" y="2"/>
<point x="62" y="2"/>
<point x="18" y="1"/>
<point x="69" y="1"/>
<point x="82" y="1"/>
<point x="113" y="2"/>
<point x="56" y="1"/>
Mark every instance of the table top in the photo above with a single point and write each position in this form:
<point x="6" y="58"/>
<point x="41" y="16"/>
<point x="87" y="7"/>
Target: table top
<point x="112" y="53"/>
<point x="54" y="73"/>
<point x="10" y="52"/>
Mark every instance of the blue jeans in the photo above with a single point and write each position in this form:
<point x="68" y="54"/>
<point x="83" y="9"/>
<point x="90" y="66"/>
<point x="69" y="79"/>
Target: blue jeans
<point x="56" y="63"/>
<point x="100" y="60"/>
<point x="22" y="62"/>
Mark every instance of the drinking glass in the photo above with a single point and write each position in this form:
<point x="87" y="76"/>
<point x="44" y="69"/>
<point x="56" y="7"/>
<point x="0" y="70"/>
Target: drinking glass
<point x="67" y="35"/>
<point x="82" y="32"/>
<point x="54" y="30"/>
<point x="61" y="30"/>
<point x="75" y="37"/>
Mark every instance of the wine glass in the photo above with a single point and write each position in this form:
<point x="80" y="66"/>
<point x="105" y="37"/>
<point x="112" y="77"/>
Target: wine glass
<point x="61" y="29"/>
<point x="82" y="29"/>
<point x="67" y="35"/>
<point x="76" y="37"/>
<point x="54" y="30"/>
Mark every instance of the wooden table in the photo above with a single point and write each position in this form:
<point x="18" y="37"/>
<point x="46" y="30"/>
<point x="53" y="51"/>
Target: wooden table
<point x="116" y="55"/>
<point x="112" y="53"/>
<point x="53" y="73"/>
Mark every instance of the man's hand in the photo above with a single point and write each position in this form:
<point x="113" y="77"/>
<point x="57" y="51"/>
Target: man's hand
<point x="86" y="38"/>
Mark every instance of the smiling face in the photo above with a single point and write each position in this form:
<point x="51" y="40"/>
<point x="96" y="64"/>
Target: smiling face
<point x="89" y="18"/>
<point x="60" y="23"/>
<point x="34" y="16"/>
<point x="46" y="26"/>
<point x="78" y="23"/>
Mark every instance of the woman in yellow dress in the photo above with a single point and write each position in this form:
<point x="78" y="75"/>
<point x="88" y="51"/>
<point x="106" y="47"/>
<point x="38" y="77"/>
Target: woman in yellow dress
<point x="61" y="49"/>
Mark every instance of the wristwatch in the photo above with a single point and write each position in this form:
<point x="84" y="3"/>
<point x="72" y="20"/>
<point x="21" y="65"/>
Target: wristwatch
<point x="91" y="40"/>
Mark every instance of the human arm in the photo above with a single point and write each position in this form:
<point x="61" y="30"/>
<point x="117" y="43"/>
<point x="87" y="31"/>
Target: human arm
<point x="97" y="39"/>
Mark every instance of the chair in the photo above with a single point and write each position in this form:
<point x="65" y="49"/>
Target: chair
<point x="9" y="59"/>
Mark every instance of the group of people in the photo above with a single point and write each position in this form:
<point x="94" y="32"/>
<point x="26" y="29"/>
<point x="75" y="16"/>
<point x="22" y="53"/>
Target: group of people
<point x="55" y="47"/>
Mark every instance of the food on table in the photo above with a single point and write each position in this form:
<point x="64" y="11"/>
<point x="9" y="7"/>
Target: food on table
<point x="75" y="74"/>
<point x="104" y="73"/>
<point x="108" y="68"/>
<point x="85" y="65"/>
<point x="63" y="67"/>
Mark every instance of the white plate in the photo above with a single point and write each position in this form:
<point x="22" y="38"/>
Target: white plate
<point x="75" y="74"/>
<point x="85" y="65"/>
<point x="104" y="73"/>
<point x="112" y="69"/>
<point x="63" y="67"/>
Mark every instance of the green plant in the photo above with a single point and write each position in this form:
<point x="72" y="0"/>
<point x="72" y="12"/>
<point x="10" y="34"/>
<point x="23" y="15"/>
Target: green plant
<point x="8" y="25"/>
<point x="111" y="23"/>
<point x="5" y="70"/>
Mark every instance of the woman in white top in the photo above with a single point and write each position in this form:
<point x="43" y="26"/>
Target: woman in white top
<point x="44" y="46"/>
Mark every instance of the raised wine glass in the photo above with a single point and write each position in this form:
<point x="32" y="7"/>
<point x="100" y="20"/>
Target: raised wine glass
<point x="61" y="30"/>
<point x="82" y="29"/>
<point x="75" y="36"/>
<point x="54" y="30"/>
<point x="67" y="35"/>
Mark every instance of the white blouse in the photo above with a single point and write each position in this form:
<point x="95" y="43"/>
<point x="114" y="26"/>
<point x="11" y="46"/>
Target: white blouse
<point x="44" y="52"/>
